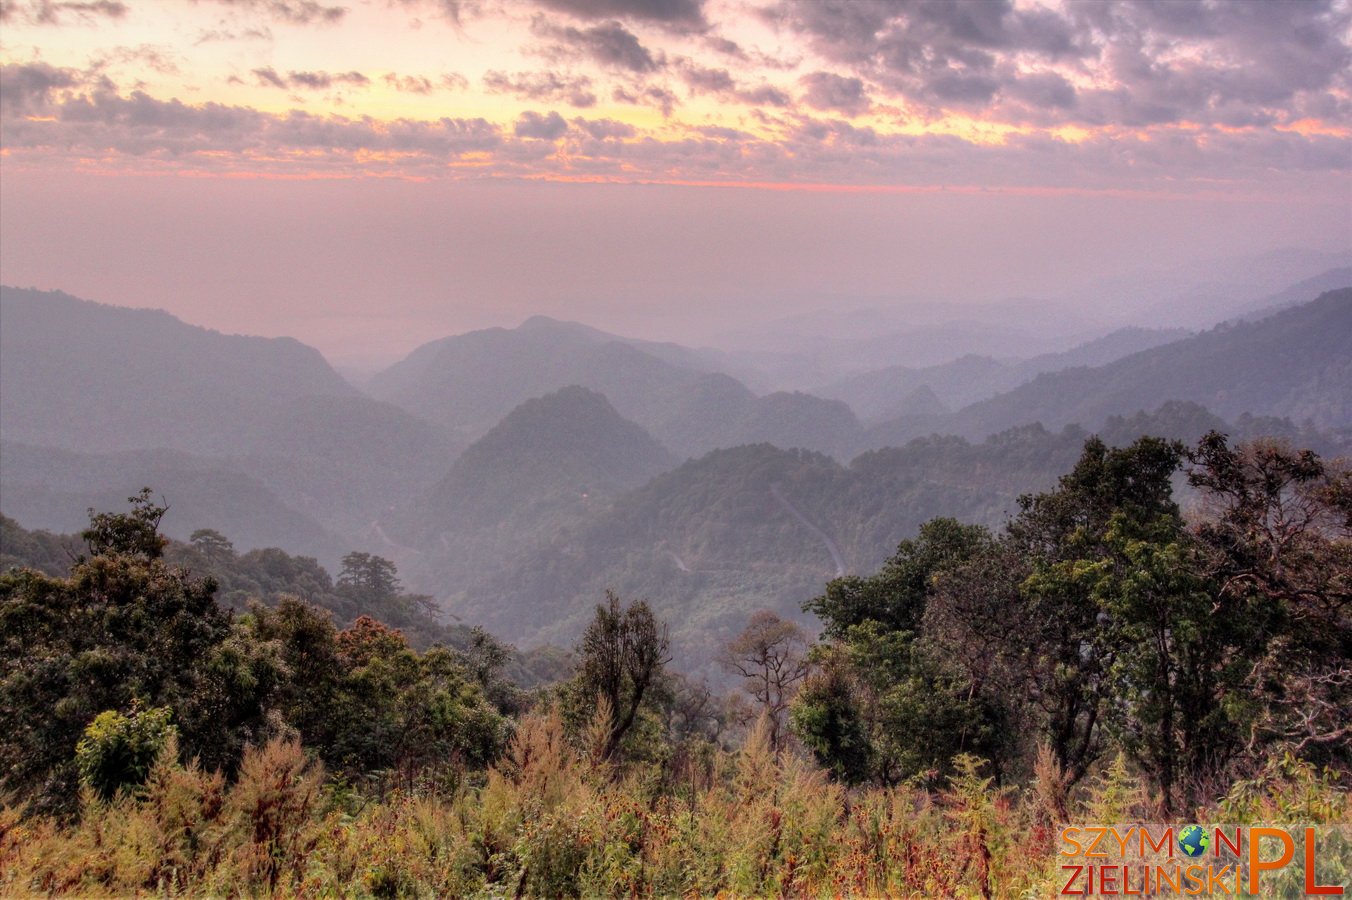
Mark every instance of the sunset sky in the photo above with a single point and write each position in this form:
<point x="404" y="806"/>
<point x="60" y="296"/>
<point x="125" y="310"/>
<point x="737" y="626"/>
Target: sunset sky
<point x="368" y="174"/>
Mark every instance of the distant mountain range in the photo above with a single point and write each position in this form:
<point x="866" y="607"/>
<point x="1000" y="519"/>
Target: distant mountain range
<point x="517" y="473"/>
<point x="888" y="393"/>
<point x="1296" y="363"/>
<point x="759" y="527"/>
<point x="467" y="383"/>
<point x="95" y="379"/>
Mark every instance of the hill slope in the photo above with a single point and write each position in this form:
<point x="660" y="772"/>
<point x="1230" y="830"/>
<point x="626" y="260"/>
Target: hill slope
<point x="882" y="394"/>
<point x="468" y="382"/>
<point x="51" y="489"/>
<point x="82" y="376"/>
<point x="1296" y="364"/>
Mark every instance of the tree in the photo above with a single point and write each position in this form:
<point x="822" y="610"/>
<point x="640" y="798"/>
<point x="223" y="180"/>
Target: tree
<point x="370" y="580"/>
<point x="828" y="718"/>
<point x="123" y="627"/>
<point x="118" y="751"/>
<point x="1065" y="659"/>
<point x="371" y="586"/>
<point x="621" y="656"/>
<point x="213" y="545"/>
<point x="771" y="657"/>
<point x="136" y="533"/>
<point x="895" y="597"/>
<point x="1279" y="542"/>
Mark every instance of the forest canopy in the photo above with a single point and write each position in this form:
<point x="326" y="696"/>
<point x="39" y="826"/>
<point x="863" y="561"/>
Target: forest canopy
<point x="1101" y="654"/>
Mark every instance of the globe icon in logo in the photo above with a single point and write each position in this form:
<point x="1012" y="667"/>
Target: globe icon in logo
<point x="1193" y="841"/>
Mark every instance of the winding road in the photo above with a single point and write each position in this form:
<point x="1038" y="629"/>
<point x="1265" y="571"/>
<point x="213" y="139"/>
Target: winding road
<point x="836" y="556"/>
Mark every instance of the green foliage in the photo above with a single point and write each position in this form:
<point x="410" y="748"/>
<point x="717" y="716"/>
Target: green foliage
<point x="135" y="533"/>
<point x="1154" y="666"/>
<point x="118" y="751"/>
<point x="620" y="660"/>
<point x="895" y="597"/>
<point x="120" y="628"/>
<point x="127" y="628"/>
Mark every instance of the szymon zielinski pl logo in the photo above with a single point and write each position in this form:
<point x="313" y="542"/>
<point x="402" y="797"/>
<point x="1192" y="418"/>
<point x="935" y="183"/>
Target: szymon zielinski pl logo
<point x="1205" y="860"/>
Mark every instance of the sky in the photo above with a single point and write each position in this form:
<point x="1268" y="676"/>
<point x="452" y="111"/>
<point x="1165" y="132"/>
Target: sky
<point x="366" y="175"/>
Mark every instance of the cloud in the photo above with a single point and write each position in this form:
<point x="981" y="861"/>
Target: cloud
<point x="26" y="89"/>
<point x="144" y="132"/>
<point x="221" y="35"/>
<point x="609" y="44"/>
<point x="575" y="90"/>
<point x="702" y="80"/>
<point x="605" y="129"/>
<point x="409" y="84"/>
<point x="313" y="81"/>
<point x="681" y="14"/>
<point x="1129" y="63"/>
<point x="827" y="91"/>
<point x="656" y="97"/>
<point x="453" y="11"/>
<point x="765" y="95"/>
<point x="292" y="12"/>
<point x="55" y="117"/>
<point x="61" y="12"/>
<point x="546" y="127"/>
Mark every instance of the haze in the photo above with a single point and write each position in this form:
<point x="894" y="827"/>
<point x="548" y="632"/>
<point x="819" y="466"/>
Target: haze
<point x="370" y="175"/>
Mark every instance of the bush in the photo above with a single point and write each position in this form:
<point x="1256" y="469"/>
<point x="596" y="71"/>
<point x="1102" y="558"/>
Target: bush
<point x="117" y="751"/>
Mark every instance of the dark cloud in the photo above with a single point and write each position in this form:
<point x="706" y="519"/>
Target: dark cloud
<point x="312" y="81"/>
<point x="292" y="12"/>
<point x="609" y="44"/>
<point x="702" y="80"/>
<point x="765" y="95"/>
<point x="656" y="97"/>
<point x="1047" y="90"/>
<point x="824" y="90"/>
<point x="684" y="14"/>
<point x="1152" y="63"/>
<point x="409" y="84"/>
<point x="603" y="129"/>
<point x="103" y="122"/>
<point x="722" y="45"/>
<point x="27" y="88"/>
<point x="61" y="12"/>
<point x="575" y="90"/>
<point x="546" y="127"/>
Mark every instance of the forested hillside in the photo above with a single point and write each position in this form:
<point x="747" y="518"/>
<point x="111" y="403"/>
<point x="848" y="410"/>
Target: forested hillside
<point x="759" y="527"/>
<point x="1296" y="363"/>
<point x="99" y="380"/>
<point x="886" y="393"/>
<point x="469" y="382"/>
<point x="50" y="489"/>
<point x="552" y="462"/>
<point x="1098" y="658"/>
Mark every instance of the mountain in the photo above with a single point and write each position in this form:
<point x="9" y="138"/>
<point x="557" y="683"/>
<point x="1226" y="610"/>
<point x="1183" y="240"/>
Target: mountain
<point x="1200" y="293"/>
<point x="1331" y="280"/>
<point x="551" y="462"/>
<point x="561" y="449"/>
<point x="752" y="527"/>
<point x="887" y="393"/>
<point x="468" y="382"/>
<point x="82" y="376"/>
<point x="1296" y="364"/>
<point x="51" y="489"/>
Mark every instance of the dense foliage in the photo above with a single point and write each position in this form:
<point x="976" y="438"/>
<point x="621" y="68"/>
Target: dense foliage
<point x="1103" y="657"/>
<point x="1101" y="621"/>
